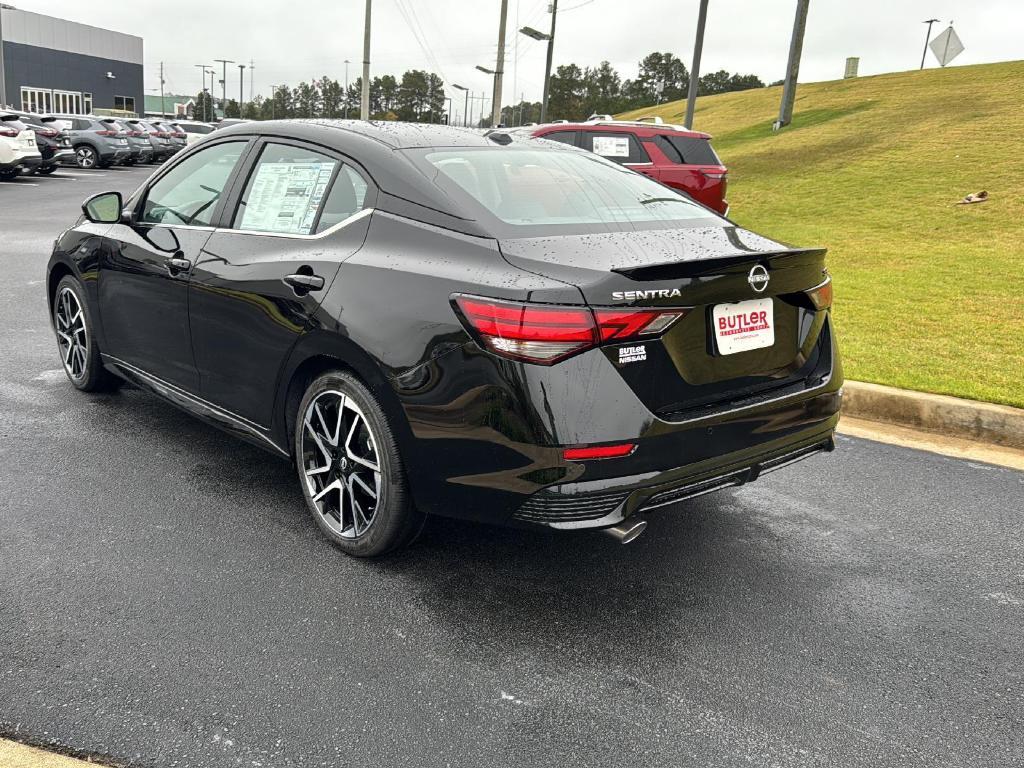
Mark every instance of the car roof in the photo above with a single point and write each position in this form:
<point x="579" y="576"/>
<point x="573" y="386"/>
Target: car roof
<point x="631" y="126"/>
<point x="392" y="134"/>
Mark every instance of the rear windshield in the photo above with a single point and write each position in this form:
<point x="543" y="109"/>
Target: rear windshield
<point x="687" y="150"/>
<point x="12" y="122"/>
<point x="562" y="191"/>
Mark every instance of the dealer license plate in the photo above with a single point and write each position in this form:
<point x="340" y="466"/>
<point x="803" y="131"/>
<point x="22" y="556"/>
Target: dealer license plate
<point x="743" y="326"/>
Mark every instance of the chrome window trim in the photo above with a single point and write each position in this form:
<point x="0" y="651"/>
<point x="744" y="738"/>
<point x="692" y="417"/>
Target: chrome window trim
<point x="295" y="236"/>
<point x="163" y="386"/>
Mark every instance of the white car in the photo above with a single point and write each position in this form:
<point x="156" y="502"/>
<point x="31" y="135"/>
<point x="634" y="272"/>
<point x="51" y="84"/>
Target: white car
<point x="194" y="130"/>
<point x="18" y="148"/>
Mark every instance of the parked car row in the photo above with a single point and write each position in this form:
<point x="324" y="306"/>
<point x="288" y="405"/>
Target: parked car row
<point x="40" y="143"/>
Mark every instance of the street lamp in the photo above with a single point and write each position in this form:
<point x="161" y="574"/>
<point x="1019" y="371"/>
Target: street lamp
<point x="550" y="37"/>
<point x="241" y="80"/>
<point x="465" y="107"/>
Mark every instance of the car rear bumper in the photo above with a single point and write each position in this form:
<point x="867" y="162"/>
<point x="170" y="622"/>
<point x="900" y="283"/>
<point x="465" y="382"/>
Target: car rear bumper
<point x="605" y="503"/>
<point x="489" y="439"/>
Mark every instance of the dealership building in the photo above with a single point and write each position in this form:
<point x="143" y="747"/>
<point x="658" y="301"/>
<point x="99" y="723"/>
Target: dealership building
<point x="53" y="65"/>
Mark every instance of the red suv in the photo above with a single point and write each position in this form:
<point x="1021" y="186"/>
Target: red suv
<point x="677" y="157"/>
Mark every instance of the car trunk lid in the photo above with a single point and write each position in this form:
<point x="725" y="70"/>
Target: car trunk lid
<point x="712" y="271"/>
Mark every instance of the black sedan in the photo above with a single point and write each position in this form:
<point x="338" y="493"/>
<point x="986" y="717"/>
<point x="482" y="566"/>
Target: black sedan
<point x="430" y="320"/>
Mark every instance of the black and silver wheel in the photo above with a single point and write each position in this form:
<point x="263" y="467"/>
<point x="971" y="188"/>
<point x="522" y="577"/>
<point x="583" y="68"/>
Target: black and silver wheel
<point x="86" y="156"/>
<point x="76" y="343"/>
<point x="350" y="468"/>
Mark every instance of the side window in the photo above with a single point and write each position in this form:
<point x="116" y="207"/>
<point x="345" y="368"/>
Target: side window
<point x="347" y="197"/>
<point x="286" y="190"/>
<point x="80" y="125"/>
<point x="618" y="147"/>
<point x="189" y="192"/>
<point x="669" y="149"/>
<point x="565" y="137"/>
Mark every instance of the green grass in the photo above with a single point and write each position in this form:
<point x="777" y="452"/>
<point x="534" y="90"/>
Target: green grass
<point x="929" y="295"/>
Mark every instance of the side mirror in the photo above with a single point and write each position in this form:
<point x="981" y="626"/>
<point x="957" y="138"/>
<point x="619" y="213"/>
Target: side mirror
<point x="104" y="208"/>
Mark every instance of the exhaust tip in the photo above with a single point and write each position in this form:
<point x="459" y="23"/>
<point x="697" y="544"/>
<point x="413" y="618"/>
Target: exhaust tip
<point x="627" y="531"/>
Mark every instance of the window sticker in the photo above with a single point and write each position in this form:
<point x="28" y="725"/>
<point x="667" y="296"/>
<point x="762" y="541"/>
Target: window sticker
<point x="285" y="197"/>
<point x="611" y="146"/>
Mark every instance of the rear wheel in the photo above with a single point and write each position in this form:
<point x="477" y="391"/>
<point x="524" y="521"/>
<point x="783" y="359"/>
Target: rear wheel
<point x="9" y="174"/>
<point x="350" y="468"/>
<point x="46" y="170"/>
<point x="86" y="156"/>
<point x="76" y="342"/>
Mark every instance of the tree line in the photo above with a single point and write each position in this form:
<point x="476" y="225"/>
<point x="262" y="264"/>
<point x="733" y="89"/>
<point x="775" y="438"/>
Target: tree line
<point x="575" y="93"/>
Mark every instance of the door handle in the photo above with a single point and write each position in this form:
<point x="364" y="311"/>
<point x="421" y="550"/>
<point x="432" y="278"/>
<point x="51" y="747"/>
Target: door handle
<point x="178" y="264"/>
<point x="304" y="283"/>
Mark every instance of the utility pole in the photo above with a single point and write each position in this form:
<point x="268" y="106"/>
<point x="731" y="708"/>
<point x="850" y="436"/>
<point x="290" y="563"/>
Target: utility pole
<point x="499" y="67"/>
<point x="224" y="82"/>
<point x="3" y="74"/>
<point x="203" y="89"/>
<point x="364" y="101"/>
<point x="465" y="106"/>
<point x="252" y="67"/>
<point x="927" y="37"/>
<point x="698" y="46"/>
<point x="241" y="82"/>
<point x="163" y="107"/>
<point x="796" y="46"/>
<point x="547" y="67"/>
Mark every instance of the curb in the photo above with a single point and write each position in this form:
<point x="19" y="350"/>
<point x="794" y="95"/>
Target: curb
<point x="951" y="416"/>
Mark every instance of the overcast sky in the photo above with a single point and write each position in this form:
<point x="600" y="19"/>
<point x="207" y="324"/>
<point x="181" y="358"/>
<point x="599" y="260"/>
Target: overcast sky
<point x="293" y="41"/>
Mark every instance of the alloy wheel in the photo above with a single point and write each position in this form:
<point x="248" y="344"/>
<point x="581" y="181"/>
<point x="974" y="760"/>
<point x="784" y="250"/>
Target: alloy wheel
<point x="341" y="464"/>
<point x="86" y="157"/>
<point x="72" y="336"/>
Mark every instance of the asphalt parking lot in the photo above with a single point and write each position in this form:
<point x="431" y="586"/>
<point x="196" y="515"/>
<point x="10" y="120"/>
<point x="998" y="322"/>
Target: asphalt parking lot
<point x="165" y="600"/>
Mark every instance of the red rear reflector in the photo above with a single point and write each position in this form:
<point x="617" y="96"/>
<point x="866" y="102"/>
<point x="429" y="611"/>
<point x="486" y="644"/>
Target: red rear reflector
<point x="598" y="452"/>
<point x="821" y="295"/>
<point x="546" y="333"/>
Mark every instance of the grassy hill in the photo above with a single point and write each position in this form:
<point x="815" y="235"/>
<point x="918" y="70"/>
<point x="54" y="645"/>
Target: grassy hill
<point x="929" y="295"/>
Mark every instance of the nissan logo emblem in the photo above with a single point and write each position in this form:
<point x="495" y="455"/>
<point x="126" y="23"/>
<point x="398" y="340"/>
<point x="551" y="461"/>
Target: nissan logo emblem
<point x="758" y="278"/>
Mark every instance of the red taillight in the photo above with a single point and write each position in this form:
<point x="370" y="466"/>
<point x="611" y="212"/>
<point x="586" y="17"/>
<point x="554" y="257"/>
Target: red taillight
<point x="715" y="175"/>
<point x="49" y="133"/>
<point x="545" y="333"/>
<point x="106" y="133"/>
<point x="821" y="295"/>
<point x="598" y="452"/>
<point x="9" y="132"/>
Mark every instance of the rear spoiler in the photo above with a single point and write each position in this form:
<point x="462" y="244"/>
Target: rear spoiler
<point x="790" y="257"/>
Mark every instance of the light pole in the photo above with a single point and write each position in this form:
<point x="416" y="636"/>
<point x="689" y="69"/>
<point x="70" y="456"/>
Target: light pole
<point x="203" y="89"/>
<point x="927" y="37"/>
<point x="698" y="45"/>
<point x="465" y="106"/>
<point x="486" y="71"/>
<point x="448" y="115"/>
<point x="241" y="81"/>
<point x="224" y="81"/>
<point x="3" y="74"/>
<point x="538" y="35"/>
<point x="347" y="62"/>
<point x="364" y="100"/>
<point x="796" y="46"/>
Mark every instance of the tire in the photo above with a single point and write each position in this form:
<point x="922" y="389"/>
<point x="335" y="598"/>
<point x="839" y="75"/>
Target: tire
<point x="76" y="341"/>
<point x="345" y="450"/>
<point x="46" y="170"/>
<point x="86" y="156"/>
<point x="9" y="174"/>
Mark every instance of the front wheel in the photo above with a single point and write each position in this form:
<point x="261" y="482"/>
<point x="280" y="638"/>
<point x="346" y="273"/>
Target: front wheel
<point x="76" y="341"/>
<point x="350" y="469"/>
<point x="9" y="174"/>
<point x="46" y="170"/>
